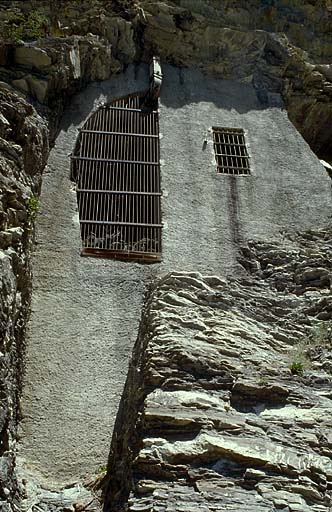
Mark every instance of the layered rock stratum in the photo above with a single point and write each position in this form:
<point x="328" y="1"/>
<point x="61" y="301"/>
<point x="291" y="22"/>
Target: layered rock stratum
<point x="228" y="397"/>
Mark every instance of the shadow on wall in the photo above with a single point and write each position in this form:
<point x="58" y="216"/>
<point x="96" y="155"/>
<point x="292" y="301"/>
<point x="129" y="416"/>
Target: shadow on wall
<point x="194" y="87"/>
<point x="126" y="440"/>
<point x="191" y="85"/>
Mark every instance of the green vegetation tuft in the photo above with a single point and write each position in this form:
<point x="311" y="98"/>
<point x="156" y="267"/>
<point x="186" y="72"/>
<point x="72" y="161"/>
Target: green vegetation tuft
<point x="32" y="209"/>
<point x="312" y="347"/>
<point x="297" y="368"/>
<point x="101" y="470"/>
<point x="18" y="26"/>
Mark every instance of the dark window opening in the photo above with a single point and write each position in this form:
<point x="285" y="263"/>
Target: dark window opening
<point x="116" y="168"/>
<point x="230" y="151"/>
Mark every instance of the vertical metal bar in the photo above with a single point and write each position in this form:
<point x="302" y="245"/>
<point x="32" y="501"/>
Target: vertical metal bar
<point x="135" y="232"/>
<point x="87" y="172"/>
<point x="150" y="198"/>
<point x="119" y="173"/>
<point x="230" y="150"/>
<point x="144" y="232"/>
<point x="221" y="149"/>
<point x="124" y="140"/>
<point x="237" y="150"/>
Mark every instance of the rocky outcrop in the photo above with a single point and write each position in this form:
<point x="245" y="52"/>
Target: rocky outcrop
<point x="52" y="50"/>
<point x="23" y="153"/>
<point x="228" y="399"/>
<point x="282" y="48"/>
<point x="52" y="70"/>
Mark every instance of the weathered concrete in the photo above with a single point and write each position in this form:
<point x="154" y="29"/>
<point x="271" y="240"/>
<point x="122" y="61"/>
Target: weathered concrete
<point x="86" y="311"/>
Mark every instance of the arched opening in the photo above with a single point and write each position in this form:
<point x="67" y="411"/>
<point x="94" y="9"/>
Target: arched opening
<point x="117" y="171"/>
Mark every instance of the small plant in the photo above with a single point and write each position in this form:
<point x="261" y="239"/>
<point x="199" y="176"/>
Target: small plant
<point x="311" y="348"/>
<point x="263" y="381"/>
<point x="32" y="209"/>
<point x="101" y="470"/>
<point x="297" y="368"/>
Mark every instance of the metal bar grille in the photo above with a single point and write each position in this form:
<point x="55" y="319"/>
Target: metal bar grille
<point x="91" y="159"/>
<point x="231" y="151"/>
<point x="116" y="164"/>
<point x="119" y="133"/>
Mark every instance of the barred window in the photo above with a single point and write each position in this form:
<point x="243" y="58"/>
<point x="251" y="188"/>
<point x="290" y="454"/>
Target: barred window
<point x="230" y="151"/>
<point x="117" y="171"/>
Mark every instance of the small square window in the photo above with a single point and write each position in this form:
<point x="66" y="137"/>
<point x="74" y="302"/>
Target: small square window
<point x="231" y="152"/>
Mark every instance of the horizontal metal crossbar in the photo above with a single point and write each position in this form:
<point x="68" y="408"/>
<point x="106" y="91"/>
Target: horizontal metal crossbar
<point x="243" y="168"/>
<point x="113" y="160"/>
<point x="117" y="192"/>
<point x="237" y="131"/>
<point x="115" y="223"/>
<point x="243" y="155"/>
<point x="225" y="143"/>
<point x="102" y="132"/>
<point x="122" y="254"/>
<point x="243" y="173"/>
<point x="138" y="110"/>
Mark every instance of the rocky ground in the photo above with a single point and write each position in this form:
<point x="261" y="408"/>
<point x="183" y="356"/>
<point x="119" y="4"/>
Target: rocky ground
<point x="228" y="397"/>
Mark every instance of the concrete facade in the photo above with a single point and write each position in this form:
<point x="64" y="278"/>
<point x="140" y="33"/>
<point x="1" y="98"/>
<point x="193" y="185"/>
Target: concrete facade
<point x="86" y="311"/>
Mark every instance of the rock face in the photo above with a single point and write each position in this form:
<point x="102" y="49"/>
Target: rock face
<point x="23" y="153"/>
<point x="281" y="47"/>
<point x="228" y="398"/>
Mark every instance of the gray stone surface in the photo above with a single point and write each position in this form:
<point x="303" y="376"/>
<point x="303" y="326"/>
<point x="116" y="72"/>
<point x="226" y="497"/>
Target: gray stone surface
<point x="214" y="416"/>
<point x="86" y="312"/>
<point x="23" y="153"/>
<point x="32" y="57"/>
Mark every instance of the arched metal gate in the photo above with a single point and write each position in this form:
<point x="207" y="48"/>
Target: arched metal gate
<point x="117" y="171"/>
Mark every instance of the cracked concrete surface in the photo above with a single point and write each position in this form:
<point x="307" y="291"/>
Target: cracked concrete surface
<point x="86" y="311"/>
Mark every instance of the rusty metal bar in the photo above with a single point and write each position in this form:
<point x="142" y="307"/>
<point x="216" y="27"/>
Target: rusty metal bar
<point x="112" y="160"/>
<point x="233" y="167"/>
<point x="121" y="255"/>
<point x="128" y="192"/>
<point x="127" y="109"/>
<point x="115" y="223"/>
<point x="129" y="134"/>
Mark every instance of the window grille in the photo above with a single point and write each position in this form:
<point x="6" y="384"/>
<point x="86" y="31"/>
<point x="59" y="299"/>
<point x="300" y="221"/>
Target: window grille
<point x="230" y="151"/>
<point x="116" y="168"/>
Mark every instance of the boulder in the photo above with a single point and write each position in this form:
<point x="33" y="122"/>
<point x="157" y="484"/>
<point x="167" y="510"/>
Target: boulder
<point x="32" y="57"/>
